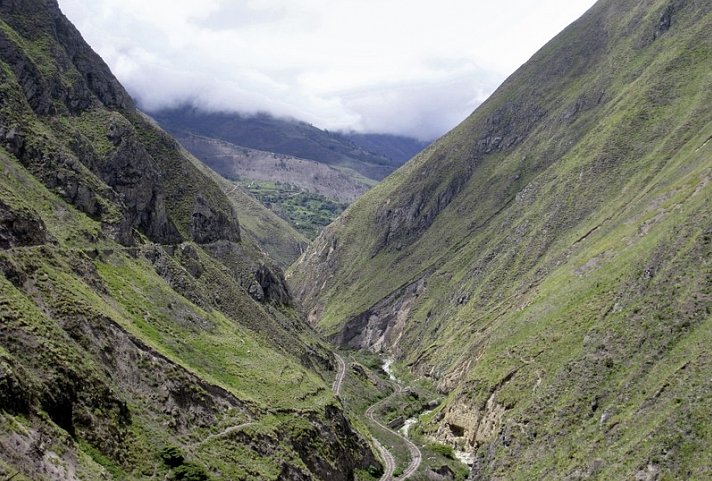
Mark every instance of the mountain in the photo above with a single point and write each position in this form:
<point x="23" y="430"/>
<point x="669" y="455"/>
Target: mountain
<point x="305" y="175"/>
<point x="282" y="136"/>
<point x="145" y="332"/>
<point x="397" y="147"/>
<point x="274" y="236"/>
<point x="234" y="162"/>
<point x="546" y="264"/>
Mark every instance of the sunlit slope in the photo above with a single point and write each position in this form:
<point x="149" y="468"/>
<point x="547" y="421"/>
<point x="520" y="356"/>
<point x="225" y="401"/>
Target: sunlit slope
<point x="547" y="262"/>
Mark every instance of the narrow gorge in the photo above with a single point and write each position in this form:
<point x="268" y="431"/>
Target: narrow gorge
<point x="528" y="298"/>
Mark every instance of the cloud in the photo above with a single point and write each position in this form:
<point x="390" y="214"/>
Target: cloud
<point x="395" y="66"/>
<point x="420" y="109"/>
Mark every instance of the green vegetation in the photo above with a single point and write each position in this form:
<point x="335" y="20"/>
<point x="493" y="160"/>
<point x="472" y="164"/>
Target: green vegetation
<point x="259" y="225"/>
<point x="181" y="469"/>
<point x="190" y="472"/>
<point x="544" y="268"/>
<point x="141" y="335"/>
<point x="547" y="262"/>
<point x="309" y="213"/>
<point x="366" y="384"/>
<point x="102" y="460"/>
<point x="442" y="449"/>
<point x="207" y="342"/>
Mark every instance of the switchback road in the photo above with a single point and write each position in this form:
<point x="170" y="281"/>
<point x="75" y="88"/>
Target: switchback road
<point x="416" y="456"/>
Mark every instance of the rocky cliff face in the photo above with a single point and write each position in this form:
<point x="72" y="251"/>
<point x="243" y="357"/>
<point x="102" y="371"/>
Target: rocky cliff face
<point x="546" y="263"/>
<point x="140" y="335"/>
<point x="79" y="132"/>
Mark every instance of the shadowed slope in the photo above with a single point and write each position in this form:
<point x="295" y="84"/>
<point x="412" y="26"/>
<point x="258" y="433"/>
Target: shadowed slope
<point x="138" y="328"/>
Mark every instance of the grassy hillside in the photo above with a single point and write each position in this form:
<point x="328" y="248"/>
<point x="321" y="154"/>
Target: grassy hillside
<point x="110" y="356"/>
<point x="272" y="235"/>
<point x="547" y="263"/>
<point x="142" y="334"/>
<point x="306" y="194"/>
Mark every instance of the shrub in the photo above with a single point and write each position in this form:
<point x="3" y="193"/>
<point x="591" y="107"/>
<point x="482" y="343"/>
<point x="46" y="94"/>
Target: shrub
<point x="190" y="472"/>
<point x="172" y="456"/>
<point x="443" y="450"/>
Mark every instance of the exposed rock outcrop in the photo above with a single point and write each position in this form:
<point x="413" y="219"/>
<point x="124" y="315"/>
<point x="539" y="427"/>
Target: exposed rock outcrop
<point x="20" y="228"/>
<point x="272" y="285"/>
<point x="380" y="328"/>
<point x="468" y="427"/>
<point x="561" y="229"/>
<point x="208" y="225"/>
<point x="36" y="19"/>
<point x="134" y="175"/>
<point x="87" y="135"/>
<point x="126" y="326"/>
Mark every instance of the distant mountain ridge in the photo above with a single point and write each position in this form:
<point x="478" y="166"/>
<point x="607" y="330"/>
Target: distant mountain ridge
<point x="371" y="156"/>
<point x="326" y="167"/>
<point x="233" y="162"/>
<point x="396" y="147"/>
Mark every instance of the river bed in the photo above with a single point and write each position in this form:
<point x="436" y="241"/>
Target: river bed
<point x="463" y="456"/>
<point x="387" y="368"/>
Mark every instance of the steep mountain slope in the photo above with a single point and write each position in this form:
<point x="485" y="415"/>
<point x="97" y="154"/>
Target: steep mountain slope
<point x="141" y="335"/>
<point x="548" y="262"/>
<point x="267" y="133"/>
<point x="274" y="236"/>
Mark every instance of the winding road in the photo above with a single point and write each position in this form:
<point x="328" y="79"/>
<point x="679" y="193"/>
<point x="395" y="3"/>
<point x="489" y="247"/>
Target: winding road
<point x="340" y="375"/>
<point x="416" y="456"/>
<point x="388" y="460"/>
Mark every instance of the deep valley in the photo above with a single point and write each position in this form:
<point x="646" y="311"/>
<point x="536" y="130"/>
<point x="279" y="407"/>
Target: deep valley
<point x="247" y="297"/>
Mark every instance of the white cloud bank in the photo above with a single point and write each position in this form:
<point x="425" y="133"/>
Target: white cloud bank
<point x="407" y="67"/>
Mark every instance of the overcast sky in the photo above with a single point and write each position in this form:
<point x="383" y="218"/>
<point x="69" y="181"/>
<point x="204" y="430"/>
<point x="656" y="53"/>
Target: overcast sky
<point x="409" y="67"/>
